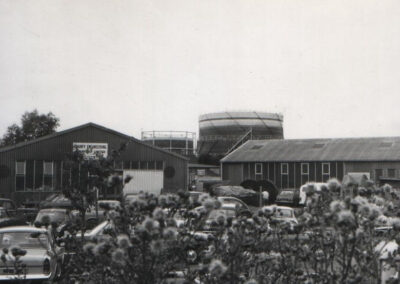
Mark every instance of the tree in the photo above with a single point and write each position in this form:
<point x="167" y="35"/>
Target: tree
<point x="33" y="125"/>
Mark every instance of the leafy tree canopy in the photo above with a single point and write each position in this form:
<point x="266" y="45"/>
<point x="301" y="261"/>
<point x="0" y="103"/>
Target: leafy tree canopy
<point x="33" y="125"/>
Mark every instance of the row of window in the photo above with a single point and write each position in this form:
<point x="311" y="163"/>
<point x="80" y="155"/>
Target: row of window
<point x="139" y="165"/>
<point x="34" y="175"/>
<point x="305" y="169"/>
<point x="37" y="175"/>
<point x="390" y="173"/>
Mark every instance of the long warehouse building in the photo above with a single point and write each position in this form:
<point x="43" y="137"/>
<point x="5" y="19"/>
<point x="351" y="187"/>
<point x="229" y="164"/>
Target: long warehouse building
<point x="32" y="170"/>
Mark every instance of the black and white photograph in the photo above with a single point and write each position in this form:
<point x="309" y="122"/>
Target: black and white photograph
<point x="200" y="141"/>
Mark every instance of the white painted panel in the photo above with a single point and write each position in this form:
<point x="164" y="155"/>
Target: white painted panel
<point x="151" y="181"/>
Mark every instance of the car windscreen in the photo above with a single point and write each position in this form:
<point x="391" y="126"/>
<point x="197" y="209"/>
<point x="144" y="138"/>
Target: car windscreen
<point x="54" y="216"/>
<point x="111" y="204"/>
<point x="24" y="240"/>
<point x="225" y="212"/>
<point x="282" y="212"/>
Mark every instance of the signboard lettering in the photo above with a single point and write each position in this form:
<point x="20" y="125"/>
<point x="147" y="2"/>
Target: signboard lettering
<point x="91" y="150"/>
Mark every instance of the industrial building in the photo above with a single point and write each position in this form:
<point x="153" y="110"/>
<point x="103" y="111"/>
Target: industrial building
<point x="220" y="133"/>
<point x="180" y="142"/>
<point x="32" y="170"/>
<point x="293" y="162"/>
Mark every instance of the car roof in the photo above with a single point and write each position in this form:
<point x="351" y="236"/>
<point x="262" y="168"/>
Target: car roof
<point x="22" y="229"/>
<point x="227" y="206"/>
<point x="228" y="197"/>
<point x="54" y="209"/>
<point x="279" y="207"/>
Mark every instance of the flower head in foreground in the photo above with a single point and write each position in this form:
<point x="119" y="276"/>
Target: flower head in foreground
<point x="217" y="268"/>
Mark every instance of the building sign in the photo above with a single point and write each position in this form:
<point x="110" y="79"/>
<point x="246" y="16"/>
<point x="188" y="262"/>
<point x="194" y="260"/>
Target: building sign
<point x="91" y="150"/>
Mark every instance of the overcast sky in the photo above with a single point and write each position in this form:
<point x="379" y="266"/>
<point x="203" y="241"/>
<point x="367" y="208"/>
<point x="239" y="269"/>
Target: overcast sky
<point x="331" y="67"/>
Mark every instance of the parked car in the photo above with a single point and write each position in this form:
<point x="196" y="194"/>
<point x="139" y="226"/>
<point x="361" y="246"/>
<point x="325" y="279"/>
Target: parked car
<point x="56" y="215"/>
<point x="233" y="200"/>
<point x="8" y="205"/>
<point x="290" y="197"/>
<point x="94" y="218"/>
<point x="281" y="215"/>
<point x="227" y="210"/>
<point x="43" y="258"/>
<point x="7" y="220"/>
<point x="303" y="190"/>
<point x="28" y="214"/>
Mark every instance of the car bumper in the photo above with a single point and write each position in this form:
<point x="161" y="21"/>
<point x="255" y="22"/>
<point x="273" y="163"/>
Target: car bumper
<point x="25" y="277"/>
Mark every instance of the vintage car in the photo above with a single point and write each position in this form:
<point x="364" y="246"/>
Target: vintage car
<point x="55" y="215"/>
<point x="42" y="259"/>
<point x="7" y="220"/>
<point x="94" y="216"/>
<point x="8" y="205"/>
<point x="282" y="215"/>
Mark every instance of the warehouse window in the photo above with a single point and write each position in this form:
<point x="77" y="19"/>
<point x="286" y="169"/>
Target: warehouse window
<point x="48" y="173"/>
<point x="127" y="165"/>
<point x="143" y="165"/>
<point x="66" y="174"/>
<point x="159" y="165"/>
<point x="29" y="175"/>
<point x="151" y="165"/>
<point x="20" y="171"/>
<point x="259" y="171"/>
<point x="391" y="173"/>
<point x="378" y="174"/>
<point x="284" y="169"/>
<point x="326" y="169"/>
<point x="118" y="165"/>
<point x="305" y="168"/>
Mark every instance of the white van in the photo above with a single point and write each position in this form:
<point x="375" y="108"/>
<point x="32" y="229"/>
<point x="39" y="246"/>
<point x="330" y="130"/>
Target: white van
<point x="317" y="187"/>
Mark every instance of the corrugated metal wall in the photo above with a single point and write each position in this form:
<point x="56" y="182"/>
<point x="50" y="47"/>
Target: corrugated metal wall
<point x="56" y="149"/>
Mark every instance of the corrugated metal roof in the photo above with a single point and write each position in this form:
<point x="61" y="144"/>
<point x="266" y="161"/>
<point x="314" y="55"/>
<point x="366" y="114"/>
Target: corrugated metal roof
<point x="337" y="149"/>
<point x="90" y="124"/>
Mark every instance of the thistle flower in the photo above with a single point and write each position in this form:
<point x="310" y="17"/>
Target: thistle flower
<point x="157" y="247"/>
<point x="45" y="220"/>
<point x="379" y="201"/>
<point x="158" y="214"/>
<point x="203" y="197"/>
<point x="374" y="211"/>
<point x="209" y="204"/>
<point x="387" y="188"/>
<point x="171" y="222"/>
<point x="170" y="233"/>
<point x="88" y="247"/>
<point x="358" y="200"/>
<point x="310" y="189"/>
<point x="150" y="225"/>
<point x="346" y="218"/>
<point x="162" y="200"/>
<point x="336" y="206"/>
<point x="123" y="241"/>
<point x="396" y="224"/>
<point x="221" y="219"/>
<point x="17" y="251"/>
<point x="217" y="268"/>
<point x="333" y="185"/>
<point x="99" y="249"/>
<point x="118" y="256"/>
